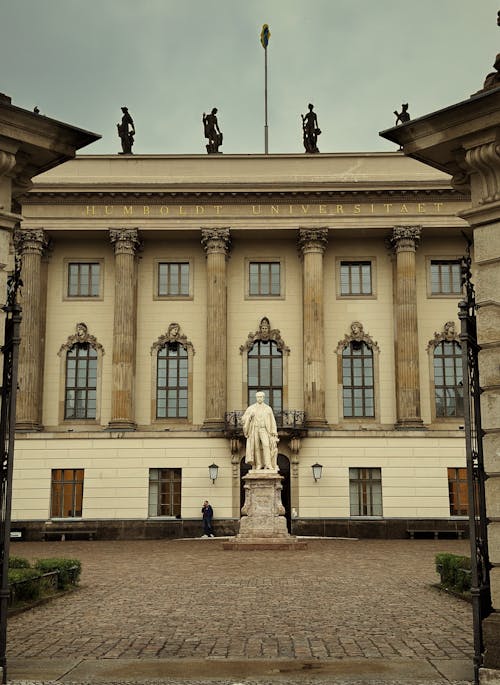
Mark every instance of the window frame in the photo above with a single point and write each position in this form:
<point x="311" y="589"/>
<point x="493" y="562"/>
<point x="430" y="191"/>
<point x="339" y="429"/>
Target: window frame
<point x="265" y="260"/>
<point x="457" y="361"/>
<point x="167" y="388"/>
<point x="156" y="279"/>
<point x="340" y="261"/>
<point x="68" y="261"/>
<point x="172" y="494"/>
<point x="73" y="482"/>
<point x="361" y="482"/>
<point x="267" y="389"/>
<point x="364" y="388"/>
<point x="442" y="259"/>
<point x="78" y="388"/>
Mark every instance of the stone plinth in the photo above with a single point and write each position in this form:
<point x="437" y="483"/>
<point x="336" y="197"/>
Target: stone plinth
<point x="263" y="524"/>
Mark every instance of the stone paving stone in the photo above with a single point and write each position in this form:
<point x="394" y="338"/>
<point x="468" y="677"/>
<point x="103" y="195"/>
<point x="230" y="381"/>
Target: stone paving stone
<point x="186" y="599"/>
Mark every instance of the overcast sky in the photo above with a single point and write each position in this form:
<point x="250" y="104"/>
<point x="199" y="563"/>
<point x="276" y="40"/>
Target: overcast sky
<point x="171" y="60"/>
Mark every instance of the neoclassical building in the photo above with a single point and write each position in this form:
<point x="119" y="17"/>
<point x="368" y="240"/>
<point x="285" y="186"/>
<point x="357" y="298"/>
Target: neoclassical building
<point x="161" y="292"/>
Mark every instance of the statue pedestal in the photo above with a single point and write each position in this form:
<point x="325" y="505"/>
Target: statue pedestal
<point x="263" y="524"/>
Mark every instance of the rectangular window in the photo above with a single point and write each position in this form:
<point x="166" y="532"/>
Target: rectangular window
<point x="66" y="493"/>
<point x="173" y="279"/>
<point x="458" y="491"/>
<point x="165" y="492"/>
<point x="365" y="490"/>
<point x="446" y="277"/>
<point x="356" y="278"/>
<point x="264" y="279"/>
<point x="84" y="279"/>
<point x="81" y="383"/>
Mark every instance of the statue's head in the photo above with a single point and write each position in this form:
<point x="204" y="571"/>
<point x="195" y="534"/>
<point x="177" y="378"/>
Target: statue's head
<point x="215" y="110"/>
<point x="259" y="396"/>
<point x="81" y="330"/>
<point x="311" y="107"/>
<point x="124" y="109"/>
<point x="265" y="326"/>
<point x="173" y="331"/>
<point x="405" y="107"/>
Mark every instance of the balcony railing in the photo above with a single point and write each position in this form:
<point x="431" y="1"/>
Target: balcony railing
<point x="288" y="421"/>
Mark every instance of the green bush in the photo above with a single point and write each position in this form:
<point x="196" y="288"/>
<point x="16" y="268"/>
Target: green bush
<point x="454" y="571"/>
<point x="69" y="570"/>
<point x="19" y="562"/>
<point x="24" y="584"/>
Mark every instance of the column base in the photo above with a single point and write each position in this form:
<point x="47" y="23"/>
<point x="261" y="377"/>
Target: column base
<point x="121" y="425"/>
<point x="317" y="424"/>
<point x="213" y="425"/>
<point x="410" y="425"/>
<point x="28" y="427"/>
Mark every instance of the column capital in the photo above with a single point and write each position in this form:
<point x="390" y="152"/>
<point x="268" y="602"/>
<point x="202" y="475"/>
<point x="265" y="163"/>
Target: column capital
<point x="125" y="240"/>
<point x="405" y="238"/>
<point x="483" y="160"/>
<point x="30" y="241"/>
<point x="7" y="162"/>
<point x="216" y="240"/>
<point x="312" y="240"/>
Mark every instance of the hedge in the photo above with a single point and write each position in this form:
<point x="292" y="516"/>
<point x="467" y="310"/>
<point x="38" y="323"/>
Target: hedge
<point x="69" y="570"/>
<point x="454" y="571"/>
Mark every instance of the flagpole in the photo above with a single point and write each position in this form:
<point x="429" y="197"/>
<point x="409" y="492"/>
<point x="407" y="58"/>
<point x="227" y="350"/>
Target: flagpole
<point x="266" y="131"/>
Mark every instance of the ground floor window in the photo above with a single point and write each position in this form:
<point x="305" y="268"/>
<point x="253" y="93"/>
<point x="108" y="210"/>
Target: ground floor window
<point x="165" y="492"/>
<point x="365" y="490"/>
<point x="66" y="493"/>
<point x="458" y="491"/>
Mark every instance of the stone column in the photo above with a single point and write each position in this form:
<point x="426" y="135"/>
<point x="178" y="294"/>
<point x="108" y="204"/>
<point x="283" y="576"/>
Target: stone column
<point x="126" y="243"/>
<point x="8" y="220"/>
<point x="405" y="240"/>
<point x="312" y="245"/>
<point x="30" y="245"/>
<point x="217" y="244"/>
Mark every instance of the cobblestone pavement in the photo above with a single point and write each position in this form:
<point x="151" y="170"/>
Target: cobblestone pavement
<point x="191" y="600"/>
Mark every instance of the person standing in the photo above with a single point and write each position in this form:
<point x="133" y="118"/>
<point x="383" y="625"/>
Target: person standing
<point x="208" y="514"/>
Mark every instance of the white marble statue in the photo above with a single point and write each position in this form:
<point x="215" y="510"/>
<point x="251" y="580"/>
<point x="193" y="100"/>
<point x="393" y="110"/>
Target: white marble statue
<point x="259" y="428"/>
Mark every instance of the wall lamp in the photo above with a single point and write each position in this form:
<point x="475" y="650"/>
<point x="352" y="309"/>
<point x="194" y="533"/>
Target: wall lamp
<point x="317" y="471"/>
<point x="213" y="472"/>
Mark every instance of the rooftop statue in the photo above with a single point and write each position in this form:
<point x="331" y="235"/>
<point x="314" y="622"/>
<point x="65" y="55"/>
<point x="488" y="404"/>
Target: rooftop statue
<point x="126" y="132"/>
<point x="403" y="116"/>
<point x="212" y="132"/>
<point x="310" y="130"/>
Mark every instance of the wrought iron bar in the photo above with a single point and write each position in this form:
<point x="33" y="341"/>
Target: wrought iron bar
<point x="8" y="393"/>
<point x="287" y="419"/>
<point x="480" y="565"/>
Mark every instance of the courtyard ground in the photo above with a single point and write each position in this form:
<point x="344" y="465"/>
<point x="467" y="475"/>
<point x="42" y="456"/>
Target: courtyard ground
<point x="182" y="611"/>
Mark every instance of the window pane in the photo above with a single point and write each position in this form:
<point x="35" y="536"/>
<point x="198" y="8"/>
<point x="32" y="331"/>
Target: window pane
<point x="355" y="278"/>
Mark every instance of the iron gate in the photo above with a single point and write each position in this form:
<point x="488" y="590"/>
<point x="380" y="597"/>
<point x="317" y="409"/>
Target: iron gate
<point x="480" y="565"/>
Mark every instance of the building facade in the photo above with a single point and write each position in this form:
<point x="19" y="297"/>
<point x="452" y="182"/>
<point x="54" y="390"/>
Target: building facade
<point x="161" y="292"/>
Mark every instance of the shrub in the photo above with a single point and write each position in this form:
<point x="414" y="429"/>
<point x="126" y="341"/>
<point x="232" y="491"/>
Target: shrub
<point x="69" y="570"/>
<point x="454" y="571"/>
<point x="19" y="562"/>
<point x="24" y="584"/>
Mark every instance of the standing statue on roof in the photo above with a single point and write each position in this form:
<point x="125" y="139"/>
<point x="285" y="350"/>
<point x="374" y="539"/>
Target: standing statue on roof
<point x="126" y="132"/>
<point x="212" y="132"/>
<point x="310" y="130"/>
<point x="403" y="116"/>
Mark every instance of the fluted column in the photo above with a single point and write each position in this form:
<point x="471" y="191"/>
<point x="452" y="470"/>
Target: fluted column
<point x="8" y="220"/>
<point x="312" y="245"/>
<point x="405" y="240"/>
<point x="217" y="245"/>
<point x="30" y="245"/>
<point x="126" y="243"/>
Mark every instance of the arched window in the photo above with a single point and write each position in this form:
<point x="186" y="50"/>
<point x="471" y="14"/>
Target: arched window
<point x="80" y="400"/>
<point x="265" y="372"/>
<point x="358" y="391"/>
<point x="448" y="379"/>
<point x="172" y="382"/>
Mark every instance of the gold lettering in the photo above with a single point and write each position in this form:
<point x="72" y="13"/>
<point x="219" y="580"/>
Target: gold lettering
<point x="322" y="209"/>
<point x="217" y="209"/>
<point x="108" y="210"/>
<point x="182" y="211"/>
<point x="275" y="209"/>
<point x="387" y="206"/>
<point x="438" y="206"/>
<point x="145" y="210"/>
<point x="421" y="208"/>
<point x="200" y="210"/>
<point x="340" y="209"/>
<point x="90" y="210"/>
<point x="404" y="209"/>
<point x="305" y="209"/>
<point x="357" y="209"/>
<point x="163" y="210"/>
<point x="256" y="209"/>
<point x="290" y="209"/>
<point x="127" y="211"/>
<point x="372" y="208"/>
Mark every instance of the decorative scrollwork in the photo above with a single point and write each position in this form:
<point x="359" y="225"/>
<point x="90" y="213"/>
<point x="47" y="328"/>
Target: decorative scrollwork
<point x="357" y="334"/>
<point x="81" y="337"/>
<point x="265" y="332"/>
<point x="173" y="335"/>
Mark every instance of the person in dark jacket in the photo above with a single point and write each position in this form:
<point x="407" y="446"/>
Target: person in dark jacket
<point x="208" y="514"/>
